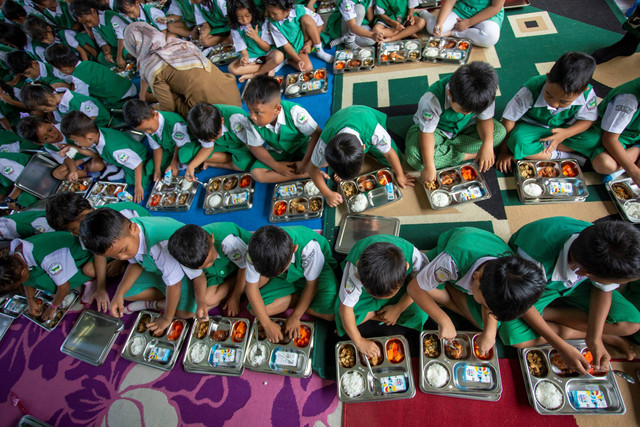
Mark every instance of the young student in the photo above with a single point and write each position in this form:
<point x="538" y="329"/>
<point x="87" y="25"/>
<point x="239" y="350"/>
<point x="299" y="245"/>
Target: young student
<point x="211" y="19"/>
<point x="57" y="12"/>
<point x="183" y="15"/>
<point x="44" y="35"/>
<point x="289" y="267"/>
<point x="90" y="78"/>
<point x="153" y="279"/>
<point x="14" y="13"/>
<point x="350" y="24"/>
<point x="221" y="132"/>
<point x="454" y="122"/>
<point x="166" y="133"/>
<point x="11" y="166"/>
<point x="551" y="116"/>
<point x="252" y="38"/>
<point x="348" y="135"/>
<point x="21" y="64"/>
<point x="21" y="225"/>
<point x="374" y="287"/>
<point x="296" y="30"/>
<point x="219" y="251"/>
<point x="114" y="147"/>
<point x="138" y="11"/>
<point x="396" y="20"/>
<point x="11" y="142"/>
<point x="289" y="131"/>
<point x="477" y="20"/>
<point x="584" y="264"/>
<point x="52" y="262"/>
<point x="483" y="281"/>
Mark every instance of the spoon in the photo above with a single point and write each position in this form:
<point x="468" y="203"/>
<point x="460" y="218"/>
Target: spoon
<point x="258" y="346"/>
<point x="377" y="387"/>
<point x="626" y="376"/>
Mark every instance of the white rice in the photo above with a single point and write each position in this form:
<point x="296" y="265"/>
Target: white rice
<point x="186" y="185"/>
<point x="352" y="383"/>
<point x="359" y="203"/>
<point x="198" y="353"/>
<point x="66" y="302"/>
<point x="254" y="359"/>
<point x="137" y="345"/>
<point x="532" y="189"/>
<point x="437" y="375"/>
<point x="311" y="189"/>
<point x="440" y="199"/>
<point x="548" y="395"/>
<point x="214" y="200"/>
<point x="632" y="209"/>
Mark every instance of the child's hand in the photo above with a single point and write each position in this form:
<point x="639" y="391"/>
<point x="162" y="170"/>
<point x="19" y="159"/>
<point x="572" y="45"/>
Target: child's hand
<point x="117" y="306"/>
<point x="159" y="325"/>
<point x="504" y="162"/>
<point x="601" y="356"/>
<point x="301" y="66"/>
<point x="306" y="47"/>
<point x="108" y="57"/>
<point x="173" y="168"/>
<point x="138" y="194"/>
<point x="461" y="25"/>
<point x="285" y="169"/>
<point x="190" y="174"/>
<point x="48" y="314"/>
<point x="63" y="151"/>
<point x="378" y="36"/>
<point x="428" y="174"/>
<point x="389" y="314"/>
<point x="73" y="176"/>
<point x="101" y="298"/>
<point x="436" y="30"/>
<point x="156" y="175"/>
<point x="244" y="60"/>
<point x="333" y="199"/>
<point x="485" y="158"/>
<point x="411" y="20"/>
<point x="447" y="331"/>
<point x="397" y="26"/>
<point x="292" y="327"/>
<point x="34" y="310"/>
<point x="404" y="180"/>
<point x="252" y="32"/>
<point x="555" y="139"/>
<point x="273" y="331"/>
<point x="485" y="343"/>
<point x="202" y="312"/>
<point x="368" y="348"/>
<point x="232" y="306"/>
<point x="121" y="63"/>
<point x="574" y="359"/>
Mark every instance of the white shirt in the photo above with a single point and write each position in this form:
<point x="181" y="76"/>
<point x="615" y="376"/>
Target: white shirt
<point x="59" y="264"/>
<point x="235" y="249"/>
<point x="312" y="260"/>
<point x="238" y="41"/>
<point x="302" y="121"/>
<point x="88" y="107"/>
<point x="9" y="231"/>
<point x="380" y="139"/>
<point x="279" y="38"/>
<point x="10" y="169"/>
<point x="222" y="4"/>
<point x="155" y="14"/>
<point x="443" y="269"/>
<point x="619" y="112"/>
<point x="117" y="23"/>
<point x="179" y="134"/>
<point x="172" y="271"/>
<point x="238" y="123"/>
<point x="125" y="157"/>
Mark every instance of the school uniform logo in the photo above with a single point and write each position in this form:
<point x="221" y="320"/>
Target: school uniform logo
<point x="4" y="149"/>
<point x="123" y="157"/>
<point x="235" y="255"/>
<point x="348" y="7"/>
<point x="238" y="127"/>
<point x="591" y="104"/>
<point x="55" y="269"/>
<point x="427" y="115"/>
<point x="302" y="118"/>
<point x="178" y="136"/>
<point x="8" y="170"/>
<point x="442" y="275"/>
<point x="307" y="260"/>
<point x="349" y="286"/>
<point x="39" y="229"/>
<point x="623" y="109"/>
<point x="115" y="24"/>
<point x="88" y="108"/>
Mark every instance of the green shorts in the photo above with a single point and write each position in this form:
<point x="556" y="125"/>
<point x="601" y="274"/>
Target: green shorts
<point x="524" y="140"/>
<point x="632" y="294"/>
<point x="240" y="155"/>
<point x="154" y="280"/>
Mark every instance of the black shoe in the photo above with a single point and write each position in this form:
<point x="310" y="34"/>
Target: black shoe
<point x="624" y="47"/>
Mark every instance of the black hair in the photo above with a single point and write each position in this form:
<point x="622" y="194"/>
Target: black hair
<point x="233" y="6"/>
<point x="80" y="8"/>
<point x="344" y="154"/>
<point x="261" y="90"/>
<point x="36" y="95"/>
<point x="510" y="285"/>
<point x="608" y="250"/>
<point x="37" y="28"/>
<point x="190" y="245"/>
<point x="18" y="61"/>
<point x="13" y="11"/>
<point x="205" y="121"/>
<point x="382" y="269"/>
<point x="77" y="123"/>
<point x="572" y="72"/>
<point x="28" y="128"/>
<point x="120" y="4"/>
<point x="474" y="86"/>
<point x="270" y="250"/>
<point x="135" y="111"/>
<point x="10" y="267"/>
<point x="12" y="35"/>
<point x="64" y="208"/>
<point x="101" y="228"/>
<point x="281" y="4"/>
<point x="60" y="55"/>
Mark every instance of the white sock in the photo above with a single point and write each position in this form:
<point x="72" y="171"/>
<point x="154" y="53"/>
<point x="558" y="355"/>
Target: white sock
<point x="132" y="307"/>
<point x="320" y="53"/>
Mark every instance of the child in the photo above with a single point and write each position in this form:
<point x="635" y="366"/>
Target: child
<point x="350" y="24"/>
<point x="551" y="116"/>
<point x="21" y="64"/>
<point x="221" y="131"/>
<point x="571" y="251"/>
<point x="137" y="11"/>
<point x="91" y="78"/>
<point x="252" y="38"/>
<point x="219" y="250"/>
<point x="396" y="20"/>
<point x="182" y="12"/>
<point x="166" y="133"/>
<point x="289" y="131"/>
<point x="11" y="166"/>
<point x="57" y="13"/>
<point x="10" y="142"/>
<point x="211" y="19"/>
<point x="348" y="135"/>
<point x="14" y="13"/>
<point x="490" y="285"/>
<point x="444" y="133"/>
<point x="43" y="35"/>
<point x="153" y="278"/>
<point x="373" y="288"/>
<point x="21" y="225"/>
<point x="52" y="262"/>
<point x="295" y="29"/>
<point x="114" y="147"/>
<point x="477" y="20"/>
<point x="289" y="267"/>
<point x="620" y="124"/>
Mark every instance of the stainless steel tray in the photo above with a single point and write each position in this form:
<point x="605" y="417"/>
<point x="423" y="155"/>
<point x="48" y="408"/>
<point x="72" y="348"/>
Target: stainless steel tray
<point x="629" y="197"/>
<point x="292" y="202"/>
<point x="218" y="346"/>
<point x="307" y="83"/>
<point x="37" y="177"/>
<point x="104" y="193"/>
<point x="157" y="352"/>
<point x="447" y="49"/>
<point x="43" y="299"/>
<point x="376" y="193"/>
<point x="29" y="421"/>
<point x="355" y="227"/>
<point x="81" y="186"/>
<point x="91" y="337"/>
<point x="326" y="7"/>
<point x="567" y="385"/>
<point x="223" y="54"/>
<point x="14" y="306"/>
<point x="402" y="388"/>
<point x="399" y="52"/>
<point x="229" y="193"/>
<point x="284" y="358"/>
<point x="451" y="187"/>
<point x="5" y="324"/>
<point x="559" y="188"/>
<point x="362" y="59"/>
<point x="165" y="197"/>
<point x="469" y="377"/>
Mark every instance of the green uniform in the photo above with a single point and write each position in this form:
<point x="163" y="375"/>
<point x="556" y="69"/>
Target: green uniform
<point x="215" y="15"/>
<point x="174" y="132"/>
<point x="632" y="294"/>
<point x="230" y="242"/>
<point x="11" y="142"/>
<point x="185" y="9"/>
<point x="103" y="84"/>
<point x="466" y="9"/>
<point x="333" y="29"/>
<point x="109" y="29"/>
<point x="11" y="166"/>
<point x="251" y="46"/>
<point x="25" y="224"/>
<point x="129" y="206"/>
<point x="394" y="9"/>
<point x="119" y="149"/>
<point x="74" y="101"/>
<point x="291" y="28"/>
<point x="61" y="18"/>
<point x="47" y="75"/>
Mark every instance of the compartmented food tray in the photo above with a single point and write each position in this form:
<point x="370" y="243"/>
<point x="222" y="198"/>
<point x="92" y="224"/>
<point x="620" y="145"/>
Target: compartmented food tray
<point x="5" y="324"/>
<point x="554" y="389"/>
<point x="223" y="54"/>
<point x="550" y="181"/>
<point x="369" y="190"/>
<point x="455" y="368"/>
<point x="81" y="186"/>
<point x="161" y="352"/>
<point x="392" y="370"/>
<point x="288" y="357"/>
<point x="447" y="49"/>
<point x="626" y="196"/>
<point x="355" y="227"/>
<point x="104" y="193"/>
<point x="229" y="193"/>
<point x="326" y="7"/>
<point x="91" y="337"/>
<point x="14" y="306"/>
<point x="37" y="176"/>
<point x="361" y="59"/>
<point x="176" y="196"/>
<point x="296" y="201"/>
<point x="217" y="346"/>
<point x="306" y="83"/>
<point x="456" y="185"/>
<point x="43" y="301"/>
<point x="399" y="52"/>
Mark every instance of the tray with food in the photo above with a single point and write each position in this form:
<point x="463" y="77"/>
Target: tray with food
<point x="161" y="352"/>
<point x="370" y="190"/>
<point x="626" y="197"/>
<point x="217" y="346"/>
<point x="296" y="201"/>
<point x="326" y="6"/>
<point x="456" y="185"/>
<point x="288" y="357"/>
<point x="356" y="227"/>
<point x="354" y="60"/>
<point x="550" y="181"/>
<point x="456" y="368"/>
<point x="14" y="305"/>
<point x="279" y="79"/>
<point x="81" y="186"/>
<point x="447" y="49"/>
<point x="399" y="52"/>
<point x="175" y="196"/>
<point x="554" y="389"/>
<point x="91" y="337"/>
<point x="390" y="377"/>
<point x="43" y="301"/>
<point x="228" y="193"/>
<point x="306" y="83"/>
<point x="222" y="54"/>
<point x="104" y="193"/>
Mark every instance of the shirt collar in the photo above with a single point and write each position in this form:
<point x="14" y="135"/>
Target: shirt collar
<point x="67" y="96"/>
<point x="43" y="69"/>
<point x="101" y="143"/>
<point x="142" y="246"/>
<point x="26" y="253"/>
<point x="540" y="102"/>
<point x="447" y="101"/>
<point x="562" y="272"/>
<point x="280" y="121"/>
<point x="101" y="18"/>
<point x="291" y="17"/>
<point x="158" y="132"/>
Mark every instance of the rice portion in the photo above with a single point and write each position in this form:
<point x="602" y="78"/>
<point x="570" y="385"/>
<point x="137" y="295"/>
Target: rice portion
<point x="353" y="383"/>
<point x="548" y="395"/>
<point x="437" y="375"/>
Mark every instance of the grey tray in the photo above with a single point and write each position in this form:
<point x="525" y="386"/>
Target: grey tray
<point x="325" y="7"/>
<point x="605" y="384"/>
<point x="104" y="193"/>
<point x="456" y="369"/>
<point x="346" y="60"/>
<point x="168" y="197"/>
<point x="223" y="356"/>
<point x="37" y="178"/>
<point x="306" y="83"/>
<point x="376" y="197"/>
<point x="461" y="190"/>
<point x="5" y="324"/>
<point x="632" y="196"/>
<point x="383" y="370"/>
<point x="29" y="421"/>
<point x="293" y="194"/>
<point x="14" y="306"/>
<point x="234" y="198"/>
<point x="399" y="52"/>
<point x="223" y="54"/>
<point x="91" y="337"/>
<point x="355" y="227"/>
<point x="60" y="312"/>
<point x="447" y="49"/>
<point x="81" y="186"/>
<point x="168" y="350"/>
<point x="575" y="188"/>
<point x="298" y="364"/>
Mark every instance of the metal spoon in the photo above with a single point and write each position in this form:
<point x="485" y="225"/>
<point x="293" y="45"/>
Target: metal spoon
<point x="258" y="346"/>
<point x="626" y="376"/>
<point x="377" y="387"/>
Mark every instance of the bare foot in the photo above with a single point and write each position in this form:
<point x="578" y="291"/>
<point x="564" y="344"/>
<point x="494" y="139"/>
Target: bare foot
<point x="622" y="344"/>
<point x="245" y="77"/>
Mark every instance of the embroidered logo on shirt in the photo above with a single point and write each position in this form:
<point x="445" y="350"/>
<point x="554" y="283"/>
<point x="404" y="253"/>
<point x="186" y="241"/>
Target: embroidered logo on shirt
<point x="349" y="287"/>
<point x="8" y="170"/>
<point x="347" y="7"/>
<point x="4" y="149"/>
<point x="427" y="115"/>
<point x="39" y="229"/>
<point x="623" y="109"/>
<point x="519" y="102"/>
<point x="55" y="268"/>
<point x="591" y="104"/>
<point x="123" y="157"/>
<point x="178" y="135"/>
<point x="235" y="255"/>
<point x="302" y="118"/>
<point x="115" y="24"/>
<point x="442" y="275"/>
<point x="306" y="261"/>
<point x="238" y="127"/>
<point x="88" y="107"/>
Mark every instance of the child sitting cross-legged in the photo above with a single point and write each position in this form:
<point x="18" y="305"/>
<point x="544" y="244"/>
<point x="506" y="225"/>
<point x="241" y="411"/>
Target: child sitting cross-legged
<point x="396" y="20"/>
<point x="136" y="10"/>
<point x="43" y="35"/>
